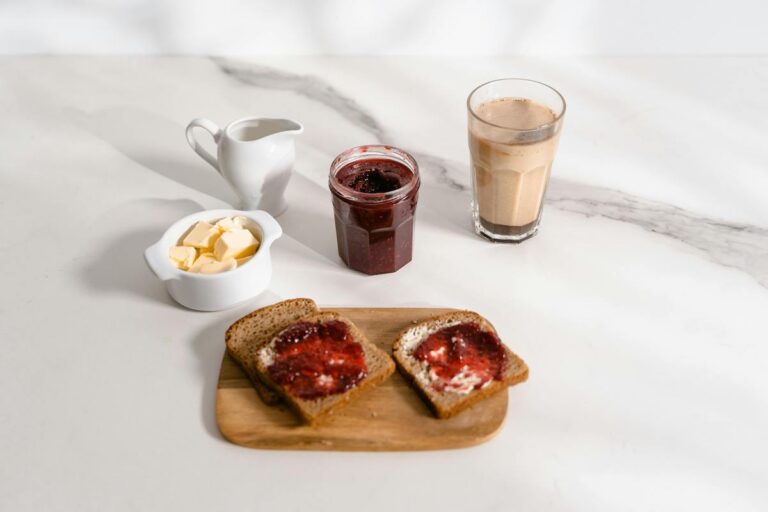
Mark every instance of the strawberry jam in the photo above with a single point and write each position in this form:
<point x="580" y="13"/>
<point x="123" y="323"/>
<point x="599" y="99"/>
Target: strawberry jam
<point x="462" y="358"/>
<point x="374" y="176"/>
<point x="316" y="360"/>
<point x="375" y="191"/>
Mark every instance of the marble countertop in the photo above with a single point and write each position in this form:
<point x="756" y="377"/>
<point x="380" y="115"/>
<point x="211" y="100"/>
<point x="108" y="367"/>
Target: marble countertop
<point x="640" y="306"/>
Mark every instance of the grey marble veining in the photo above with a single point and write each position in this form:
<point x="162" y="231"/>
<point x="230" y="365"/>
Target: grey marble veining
<point x="316" y="89"/>
<point x="739" y="246"/>
<point x="308" y="86"/>
<point x="443" y="171"/>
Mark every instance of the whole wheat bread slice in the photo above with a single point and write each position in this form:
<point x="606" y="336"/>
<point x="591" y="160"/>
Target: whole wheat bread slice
<point x="449" y="403"/>
<point x="380" y="367"/>
<point x="245" y="336"/>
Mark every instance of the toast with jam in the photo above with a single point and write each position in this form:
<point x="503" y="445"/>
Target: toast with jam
<point x="320" y="363"/>
<point x="247" y="335"/>
<point x="455" y="360"/>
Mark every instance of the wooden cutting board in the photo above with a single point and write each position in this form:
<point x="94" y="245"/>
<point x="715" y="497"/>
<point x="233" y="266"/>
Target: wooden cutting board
<point x="388" y="417"/>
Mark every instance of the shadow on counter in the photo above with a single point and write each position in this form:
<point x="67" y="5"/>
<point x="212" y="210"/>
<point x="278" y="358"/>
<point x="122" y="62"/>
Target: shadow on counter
<point x="157" y="144"/>
<point x="118" y="267"/>
<point x="208" y="346"/>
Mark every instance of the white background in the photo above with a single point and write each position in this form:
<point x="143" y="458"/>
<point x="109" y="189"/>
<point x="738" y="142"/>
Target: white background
<point x="394" y="27"/>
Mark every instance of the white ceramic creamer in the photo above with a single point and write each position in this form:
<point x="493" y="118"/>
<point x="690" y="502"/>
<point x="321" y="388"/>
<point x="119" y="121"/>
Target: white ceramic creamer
<point x="255" y="156"/>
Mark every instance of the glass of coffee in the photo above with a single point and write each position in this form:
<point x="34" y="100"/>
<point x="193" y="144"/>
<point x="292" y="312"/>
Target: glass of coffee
<point x="514" y="128"/>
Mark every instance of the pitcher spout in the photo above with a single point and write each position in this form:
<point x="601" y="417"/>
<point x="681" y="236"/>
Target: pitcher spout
<point x="293" y="127"/>
<point x="253" y="129"/>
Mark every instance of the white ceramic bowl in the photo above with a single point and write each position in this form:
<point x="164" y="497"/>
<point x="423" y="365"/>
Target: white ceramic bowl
<point x="214" y="292"/>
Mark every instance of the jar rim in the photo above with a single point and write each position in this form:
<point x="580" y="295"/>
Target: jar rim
<point x="370" y="152"/>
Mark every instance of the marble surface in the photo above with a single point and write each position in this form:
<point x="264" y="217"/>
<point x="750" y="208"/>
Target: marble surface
<point x="640" y="307"/>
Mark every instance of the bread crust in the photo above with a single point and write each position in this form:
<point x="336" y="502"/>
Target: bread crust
<point x="380" y="367"/>
<point x="242" y="342"/>
<point x="447" y="404"/>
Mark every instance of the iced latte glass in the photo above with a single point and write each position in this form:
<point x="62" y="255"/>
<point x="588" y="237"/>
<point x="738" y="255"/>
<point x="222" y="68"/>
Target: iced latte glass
<point x="514" y="128"/>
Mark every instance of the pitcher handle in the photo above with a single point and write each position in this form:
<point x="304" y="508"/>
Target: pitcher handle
<point x="211" y="128"/>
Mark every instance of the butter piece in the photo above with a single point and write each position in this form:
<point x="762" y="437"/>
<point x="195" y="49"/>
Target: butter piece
<point x="182" y="257"/>
<point x="231" y="223"/>
<point x="202" y="236"/>
<point x="206" y="264"/>
<point x="235" y="244"/>
<point x="243" y="261"/>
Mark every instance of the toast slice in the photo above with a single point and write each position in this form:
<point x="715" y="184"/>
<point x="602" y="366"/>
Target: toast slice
<point x="447" y="402"/>
<point x="379" y="367"/>
<point x="245" y="336"/>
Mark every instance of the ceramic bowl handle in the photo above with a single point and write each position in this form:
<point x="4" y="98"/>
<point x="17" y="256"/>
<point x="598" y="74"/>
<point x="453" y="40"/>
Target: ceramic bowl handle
<point x="154" y="257"/>
<point x="211" y="128"/>
<point x="271" y="229"/>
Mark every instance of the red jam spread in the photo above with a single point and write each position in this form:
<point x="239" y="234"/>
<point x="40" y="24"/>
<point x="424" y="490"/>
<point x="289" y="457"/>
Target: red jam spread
<point x="462" y="357"/>
<point x="314" y="360"/>
<point x="374" y="203"/>
<point x="374" y="176"/>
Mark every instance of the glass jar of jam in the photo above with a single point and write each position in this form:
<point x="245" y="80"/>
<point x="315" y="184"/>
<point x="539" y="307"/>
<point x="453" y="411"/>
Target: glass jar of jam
<point x="375" y="189"/>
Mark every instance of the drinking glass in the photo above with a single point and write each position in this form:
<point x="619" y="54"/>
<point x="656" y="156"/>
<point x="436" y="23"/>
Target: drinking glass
<point x="514" y="129"/>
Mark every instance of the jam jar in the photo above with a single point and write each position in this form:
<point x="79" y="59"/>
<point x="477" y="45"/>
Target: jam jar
<point x="374" y="191"/>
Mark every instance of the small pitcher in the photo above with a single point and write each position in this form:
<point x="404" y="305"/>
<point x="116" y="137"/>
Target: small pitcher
<point x="255" y="156"/>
